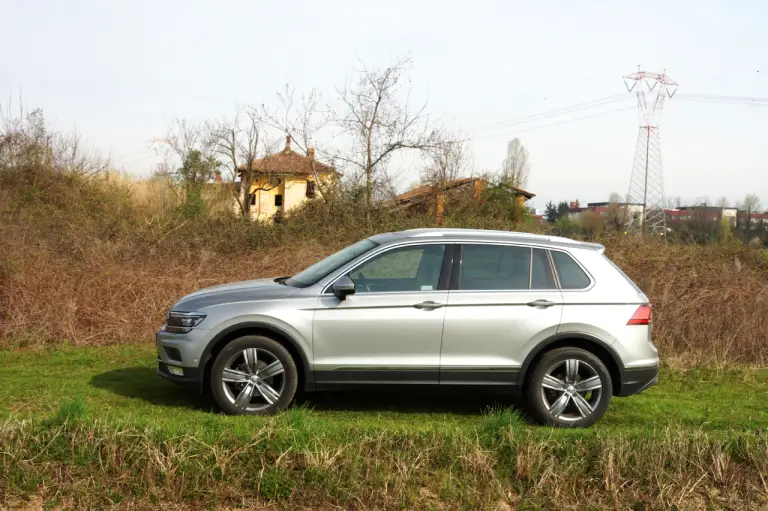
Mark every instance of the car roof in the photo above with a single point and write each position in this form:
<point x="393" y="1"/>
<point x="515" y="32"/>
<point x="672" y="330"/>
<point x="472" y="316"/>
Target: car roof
<point x="474" y="235"/>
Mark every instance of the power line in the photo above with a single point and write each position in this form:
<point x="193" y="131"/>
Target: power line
<point x="726" y="101"/>
<point x="130" y="154"/>
<point x="557" y="112"/>
<point x="134" y="159"/>
<point x="755" y="99"/>
<point x="565" y="121"/>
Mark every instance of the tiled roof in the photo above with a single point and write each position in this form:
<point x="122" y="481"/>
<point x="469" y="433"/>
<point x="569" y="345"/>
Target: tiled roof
<point x="288" y="162"/>
<point x="423" y="191"/>
<point x="426" y="190"/>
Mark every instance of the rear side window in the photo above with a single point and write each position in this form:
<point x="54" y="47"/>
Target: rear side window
<point x="569" y="272"/>
<point x="541" y="271"/>
<point x="495" y="267"/>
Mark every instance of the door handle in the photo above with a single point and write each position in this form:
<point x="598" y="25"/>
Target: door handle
<point x="541" y="303"/>
<point x="430" y="305"/>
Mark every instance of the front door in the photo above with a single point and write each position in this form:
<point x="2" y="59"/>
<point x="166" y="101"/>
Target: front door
<point x="390" y="329"/>
<point x="503" y="301"/>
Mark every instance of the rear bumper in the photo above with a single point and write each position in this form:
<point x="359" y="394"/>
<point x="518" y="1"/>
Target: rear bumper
<point x="637" y="380"/>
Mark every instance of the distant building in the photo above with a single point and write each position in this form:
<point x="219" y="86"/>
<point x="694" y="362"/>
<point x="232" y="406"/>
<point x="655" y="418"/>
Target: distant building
<point x="626" y="212"/>
<point x="701" y="213"/>
<point x="744" y="218"/>
<point x="432" y="199"/>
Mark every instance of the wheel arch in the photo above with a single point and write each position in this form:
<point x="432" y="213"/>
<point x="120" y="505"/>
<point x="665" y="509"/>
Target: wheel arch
<point x="594" y="345"/>
<point x="306" y="379"/>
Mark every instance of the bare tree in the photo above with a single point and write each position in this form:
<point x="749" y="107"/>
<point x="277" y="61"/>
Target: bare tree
<point x="751" y="203"/>
<point x="376" y="114"/>
<point x="516" y="167"/>
<point x="722" y="202"/>
<point x="701" y="201"/>
<point x="237" y="142"/>
<point x="187" y="141"/>
<point x="303" y="120"/>
<point x="615" y="198"/>
<point x="447" y="160"/>
<point x="617" y="211"/>
<point x="27" y="141"/>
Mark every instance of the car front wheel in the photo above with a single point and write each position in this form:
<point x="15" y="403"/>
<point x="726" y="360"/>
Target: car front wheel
<point x="253" y="375"/>
<point x="569" y="387"/>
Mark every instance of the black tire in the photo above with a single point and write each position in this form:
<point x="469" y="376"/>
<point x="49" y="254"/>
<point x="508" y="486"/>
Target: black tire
<point x="543" y="401"/>
<point x="233" y="359"/>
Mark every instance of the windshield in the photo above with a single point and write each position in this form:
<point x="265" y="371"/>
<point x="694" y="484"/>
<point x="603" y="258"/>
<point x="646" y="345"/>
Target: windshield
<point x="331" y="263"/>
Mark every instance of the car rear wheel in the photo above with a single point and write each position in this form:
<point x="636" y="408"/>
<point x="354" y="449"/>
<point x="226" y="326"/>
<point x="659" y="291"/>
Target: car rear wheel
<point x="569" y="387"/>
<point x="253" y="375"/>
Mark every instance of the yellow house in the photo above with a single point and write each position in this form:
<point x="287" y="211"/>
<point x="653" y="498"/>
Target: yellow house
<point x="283" y="181"/>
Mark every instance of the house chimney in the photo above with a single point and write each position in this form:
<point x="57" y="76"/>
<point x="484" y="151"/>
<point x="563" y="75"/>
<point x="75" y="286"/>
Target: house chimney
<point x="574" y="205"/>
<point x="311" y="153"/>
<point x="287" y="143"/>
<point x="217" y="177"/>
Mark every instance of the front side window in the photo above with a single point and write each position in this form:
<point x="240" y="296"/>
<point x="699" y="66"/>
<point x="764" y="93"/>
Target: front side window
<point x="410" y="268"/>
<point x="569" y="272"/>
<point x="330" y="264"/>
<point x="495" y="267"/>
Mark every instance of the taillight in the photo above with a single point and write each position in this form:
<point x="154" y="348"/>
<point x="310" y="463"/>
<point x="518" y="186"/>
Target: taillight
<point x="642" y="316"/>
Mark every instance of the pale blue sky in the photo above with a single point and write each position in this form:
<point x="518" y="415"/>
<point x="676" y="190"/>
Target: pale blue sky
<point x="118" y="71"/>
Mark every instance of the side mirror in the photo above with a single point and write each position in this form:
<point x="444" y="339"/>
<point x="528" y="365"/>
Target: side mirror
<point x="343" y="288"/>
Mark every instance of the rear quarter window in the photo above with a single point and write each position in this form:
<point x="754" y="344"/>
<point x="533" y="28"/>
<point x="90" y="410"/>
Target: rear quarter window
<point x="621" y="272"/>
<point x="569" y="272"/>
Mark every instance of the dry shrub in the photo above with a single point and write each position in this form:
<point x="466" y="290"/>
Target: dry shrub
<point x="710" y="302"/>
<point x="77" y="267"/>
<point x="708" y="309"/>
<point x="94" y="258"/>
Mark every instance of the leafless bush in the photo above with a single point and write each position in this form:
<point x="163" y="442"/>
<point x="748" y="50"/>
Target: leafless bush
<point x="29" y="147"/>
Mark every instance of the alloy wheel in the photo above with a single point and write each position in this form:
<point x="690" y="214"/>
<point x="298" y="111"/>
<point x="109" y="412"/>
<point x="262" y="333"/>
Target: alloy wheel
<point x="253" y="379"/>
<point x="571" y="390"/>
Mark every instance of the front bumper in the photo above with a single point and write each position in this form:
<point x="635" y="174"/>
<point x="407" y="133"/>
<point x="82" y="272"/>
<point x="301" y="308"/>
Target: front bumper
<point x="192" y="378"/>
<point x="636" y="380"/>
<point x="184" y="352"/>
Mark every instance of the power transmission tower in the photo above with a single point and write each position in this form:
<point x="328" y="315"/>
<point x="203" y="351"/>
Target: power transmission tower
<point x="646" y="185"/>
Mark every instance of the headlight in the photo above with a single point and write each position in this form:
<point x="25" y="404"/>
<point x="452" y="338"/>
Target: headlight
<point x="182" y="322"/>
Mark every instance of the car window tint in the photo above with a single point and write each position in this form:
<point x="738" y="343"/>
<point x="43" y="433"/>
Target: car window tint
<point x="541" y="272"/>
<point x="569" y="272"/>
<point x="413" y="268"/>
<point x="494" y="267"/>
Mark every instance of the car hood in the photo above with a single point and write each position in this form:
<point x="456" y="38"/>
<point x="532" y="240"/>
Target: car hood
<point x="247" y="290"/>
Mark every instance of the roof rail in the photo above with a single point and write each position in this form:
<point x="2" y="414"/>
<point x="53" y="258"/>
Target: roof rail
<point x="431" y="232"/>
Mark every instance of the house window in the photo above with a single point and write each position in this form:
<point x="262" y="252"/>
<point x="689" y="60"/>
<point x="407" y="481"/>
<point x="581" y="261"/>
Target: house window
<point x="252" y="198"/>
<point x="279" y="200"/>
<point x="311" y="189"/>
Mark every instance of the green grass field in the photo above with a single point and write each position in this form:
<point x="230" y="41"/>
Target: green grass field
<point x="97" y="427"/>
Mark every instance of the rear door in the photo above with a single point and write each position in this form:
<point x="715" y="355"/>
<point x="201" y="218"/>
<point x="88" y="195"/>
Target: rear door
<point x="503" y="301"/>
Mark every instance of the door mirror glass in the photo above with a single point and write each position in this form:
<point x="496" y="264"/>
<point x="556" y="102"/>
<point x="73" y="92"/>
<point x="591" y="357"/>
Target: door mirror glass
<point x="343" y="288"/>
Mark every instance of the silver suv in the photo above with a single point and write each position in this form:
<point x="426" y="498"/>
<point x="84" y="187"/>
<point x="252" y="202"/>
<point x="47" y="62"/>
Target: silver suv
<point x="551" y="318"/>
